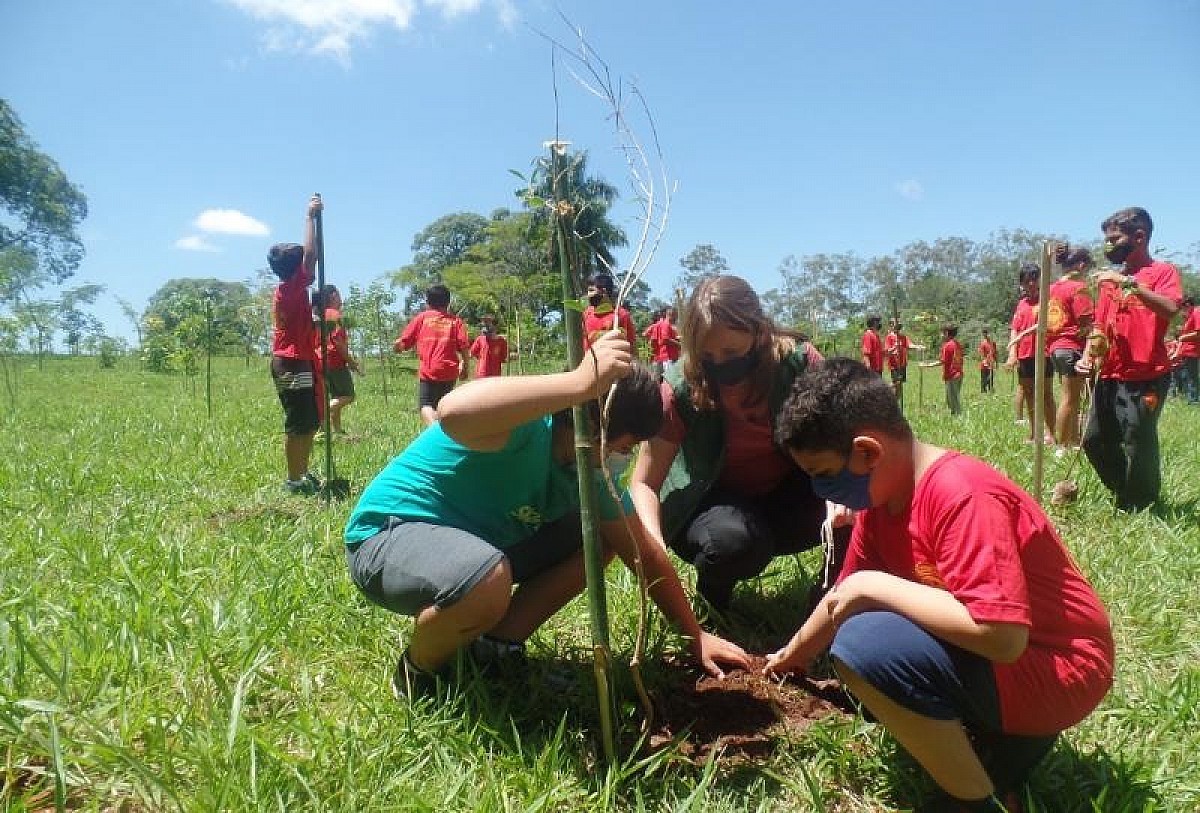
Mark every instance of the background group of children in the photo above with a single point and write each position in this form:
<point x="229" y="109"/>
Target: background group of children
<point x="958" y="618"/>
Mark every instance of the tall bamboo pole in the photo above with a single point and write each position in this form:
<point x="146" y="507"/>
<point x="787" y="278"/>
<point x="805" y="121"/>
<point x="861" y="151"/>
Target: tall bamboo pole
<point x="1039" y="368"/>
<point x="593" y="559"/>
<point x="324" y="328"/>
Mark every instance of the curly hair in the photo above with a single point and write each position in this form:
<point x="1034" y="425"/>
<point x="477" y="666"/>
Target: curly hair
<point x="730" y="302"/>
<point x="636" y="408"/>
<point x="1130" y="220"/>
<point x="831" y="403"/>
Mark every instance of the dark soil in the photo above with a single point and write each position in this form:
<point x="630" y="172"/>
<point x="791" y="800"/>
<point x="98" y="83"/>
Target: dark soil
<point x="742" y="716"/>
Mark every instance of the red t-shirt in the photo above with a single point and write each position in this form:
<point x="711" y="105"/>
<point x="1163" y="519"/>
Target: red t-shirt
<point x="664" y="341"/>
<point x="896" y="347"/>
<point x="596" y="325"/>
<point x="1190" y="348"/>
<point x="987" y="354"/>
<point x="438" y="337"/>
<point x="1025" y="316"/>
<point x="337" y="334"/>
<point x="952" y="360"/>
<point x="1136" y="351"/>
<point x="492" y="351"/>
<point x="292" y="318"/>
<point x="974" y="533"/>
<point x="872" y="350"/>
<point x="1067" y="303"/>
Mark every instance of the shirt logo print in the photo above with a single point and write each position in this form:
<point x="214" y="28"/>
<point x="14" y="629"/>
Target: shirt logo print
<point x="527" y="515"/>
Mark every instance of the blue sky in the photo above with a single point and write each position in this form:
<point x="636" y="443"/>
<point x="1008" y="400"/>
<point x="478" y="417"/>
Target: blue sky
<point x="197" y="128"/>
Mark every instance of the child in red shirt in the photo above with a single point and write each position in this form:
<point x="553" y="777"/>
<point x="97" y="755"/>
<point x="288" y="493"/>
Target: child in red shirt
<point x="872" y="345"/>
<point x="1022" y="344"/>
<point x="1189" y="351"/>
<point x="489" y="349"/>
<point x="327" y="304"/>
<point x="1133" y="308"/>
<point x="987" y="362"/>
<point x="599" y="317"/>
<point x="440" y="339"/>
<point x="664" y="341"/>
<point x="896" y="346"/>
<point x="1069" y="312"/>
<point x="951" y="359"/>
<point x="959" y="618"/>
<point x="293" y="351"/>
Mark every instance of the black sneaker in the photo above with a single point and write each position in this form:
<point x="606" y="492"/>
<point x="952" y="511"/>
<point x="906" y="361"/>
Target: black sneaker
<point x="410" y="681"/>
<point x="496" y="658"/>
<point x="303" y="487"/>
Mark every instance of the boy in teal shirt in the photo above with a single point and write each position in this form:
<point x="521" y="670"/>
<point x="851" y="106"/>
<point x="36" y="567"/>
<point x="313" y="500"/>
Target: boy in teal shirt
<point x="487" y="500"/>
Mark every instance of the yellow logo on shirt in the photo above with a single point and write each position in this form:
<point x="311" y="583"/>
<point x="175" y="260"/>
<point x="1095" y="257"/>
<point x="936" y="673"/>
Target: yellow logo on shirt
<point x="527" y="515"/>
<point x="928" y="575"/>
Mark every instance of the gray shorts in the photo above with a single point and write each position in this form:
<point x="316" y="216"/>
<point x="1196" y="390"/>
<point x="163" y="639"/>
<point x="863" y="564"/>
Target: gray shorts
<point x="1064" y="361"/>
<point x="409" y="566"/>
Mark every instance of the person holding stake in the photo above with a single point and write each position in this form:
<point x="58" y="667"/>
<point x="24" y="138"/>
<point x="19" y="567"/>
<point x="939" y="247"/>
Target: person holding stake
<point x="488" y="498"/>
<point x="336" y="357"/>
<point x="959" y="619"/>
<point x="1021" y="348"/>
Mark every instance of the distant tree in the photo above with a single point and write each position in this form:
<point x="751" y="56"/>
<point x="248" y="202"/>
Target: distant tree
<point x="40" y="210"/>
<point x="131" y="313"/>
<point x="76" y="323"/>
<point x="701" y="262"/>
<point x="441" y="244"/>
<point x="176" y="323"/>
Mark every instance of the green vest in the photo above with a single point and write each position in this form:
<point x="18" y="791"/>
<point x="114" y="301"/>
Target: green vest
<point x="697" y="465"/>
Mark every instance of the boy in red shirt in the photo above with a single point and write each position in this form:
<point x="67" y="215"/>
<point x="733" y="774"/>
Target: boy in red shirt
<point x="440" y="339"/>
<point x="664" y="341"/>
<point x="896" y="346"/>
<point x="489" y="349"/>
<point x="1189" y="351"/>
<point x="987" y="362"/>
<point x="1021" y="346"/>
<point x="959" y="618"/>
<point x="950" y="359"/>
<point x="1133" y="308"/>
<point x="872" y="345"/>
<point x="1069" y="312"/>
<point x="293" y="351"/>
<point x="327" y="304"/>
<point x="599" y="317"/>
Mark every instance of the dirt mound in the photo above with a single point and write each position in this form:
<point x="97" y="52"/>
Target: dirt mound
<point x="739" y="718"/>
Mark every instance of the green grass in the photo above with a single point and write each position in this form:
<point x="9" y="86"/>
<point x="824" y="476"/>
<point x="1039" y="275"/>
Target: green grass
<point x="176" y="633"/>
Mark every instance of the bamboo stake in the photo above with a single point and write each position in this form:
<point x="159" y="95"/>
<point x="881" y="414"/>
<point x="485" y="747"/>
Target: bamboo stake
<point x="324" y="329"/>
<point x="1039" y="368"/>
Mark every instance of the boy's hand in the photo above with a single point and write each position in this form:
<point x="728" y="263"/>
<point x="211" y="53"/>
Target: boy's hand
<point x="607" y="360"/>
<point x="711" y="650"/>
<point x="315" y="204"/>
<point x="787" y="661"/>
<point x="1115" y="277"/>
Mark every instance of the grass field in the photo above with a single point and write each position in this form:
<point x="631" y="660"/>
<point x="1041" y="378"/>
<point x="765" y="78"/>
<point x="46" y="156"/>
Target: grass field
<point x="177" y="634"/>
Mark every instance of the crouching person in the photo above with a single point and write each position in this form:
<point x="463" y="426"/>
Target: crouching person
<point x="487" y="499"/>
<point x="959" y="619"/>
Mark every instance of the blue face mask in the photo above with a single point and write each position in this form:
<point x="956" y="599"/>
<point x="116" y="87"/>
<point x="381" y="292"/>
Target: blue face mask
<point x="845" y="488"/>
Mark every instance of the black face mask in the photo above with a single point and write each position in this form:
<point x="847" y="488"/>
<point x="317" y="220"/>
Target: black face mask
<point x="595" y="299"/>
<point x="1117" y="254"/>
<point x="728" y="373"/>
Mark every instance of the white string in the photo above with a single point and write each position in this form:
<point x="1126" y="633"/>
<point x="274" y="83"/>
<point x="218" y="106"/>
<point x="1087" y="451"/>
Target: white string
<point x="827" y="545"/>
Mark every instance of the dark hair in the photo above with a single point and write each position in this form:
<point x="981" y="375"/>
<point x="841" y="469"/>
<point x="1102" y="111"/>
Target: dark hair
<point x="832" y="402"/>
<point x="1029" y="272"/>
<point x="604" y="281"/>
<point x="874" y="322"/>
<point x="1130" y="220"/>
<point x="1076" y="255"/>
<point x="1188" y="302"/>
<point x="285" y="259"/>
<point x="636" y="408"/>
<point x="438" y="296"/>
<point x="320" y="298"/>
<point x="951" y="331"/>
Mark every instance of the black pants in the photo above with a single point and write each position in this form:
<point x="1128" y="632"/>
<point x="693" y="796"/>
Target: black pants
<point x="985" y="379"/>
<point x="1121" y="439"/>
<point x="733" y="537"/>
<point x="1189" y="380"/>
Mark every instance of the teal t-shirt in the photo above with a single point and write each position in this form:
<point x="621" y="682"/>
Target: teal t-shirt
<point x="502" y="497"/>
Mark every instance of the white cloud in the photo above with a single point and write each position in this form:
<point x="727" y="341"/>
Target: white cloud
<point x="331" y="27"/>
<point x="194" y="242"/>
<point x="229" y="221"/>
<point x="911" y="190"/>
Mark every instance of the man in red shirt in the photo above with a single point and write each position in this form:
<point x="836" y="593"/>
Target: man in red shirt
<point x="959" y="618"/>
<point x="1189" y="351"/>
<point x="1022" y="345"/>
<point x="896" y="346"/>
<point x="1069" y="312"/>
<point x="599" y="316"/>
<point x="440" y="339"/>
<point x="1134" y="306"/>
<point x="987" y="362"/>
<point x="872" y="345"/>
<point x="489" y="349"/>
<point x="293" y="351"/>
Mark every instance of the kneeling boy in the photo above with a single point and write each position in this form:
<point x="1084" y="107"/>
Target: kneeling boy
<point x="959" y="618"/>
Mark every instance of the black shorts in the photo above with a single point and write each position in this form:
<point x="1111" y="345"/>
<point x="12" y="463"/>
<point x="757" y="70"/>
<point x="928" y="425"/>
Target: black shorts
<point x="899" y="375"/>
<point x="341" y="383"/>
<point x="294" y="384"/>
<point x="1025" y="368"/>
<point x="430" y="393"/>
<point x="1064" y="361"/>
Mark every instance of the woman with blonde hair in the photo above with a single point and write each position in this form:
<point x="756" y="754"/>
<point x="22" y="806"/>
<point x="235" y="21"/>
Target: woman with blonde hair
<point x="713" y="485"/>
